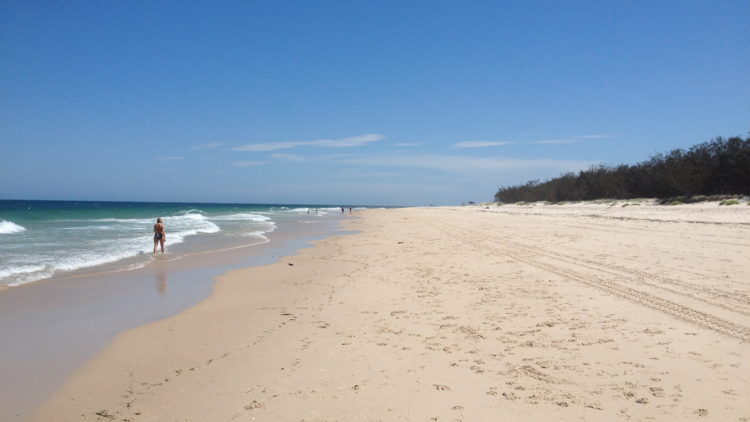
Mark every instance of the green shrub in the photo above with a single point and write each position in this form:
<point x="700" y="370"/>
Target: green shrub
<point x="729" y="202"/>
<point x="717" y="167"/>
<point x="677" y="203"/>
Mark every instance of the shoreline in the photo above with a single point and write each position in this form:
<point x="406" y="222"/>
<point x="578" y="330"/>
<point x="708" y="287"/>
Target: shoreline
<point x="51" y="327"/>
<point x="74" y="239"/>
<point x="451" y="313"/>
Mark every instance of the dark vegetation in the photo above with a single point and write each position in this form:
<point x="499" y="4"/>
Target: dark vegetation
<point x="718" y="167"/>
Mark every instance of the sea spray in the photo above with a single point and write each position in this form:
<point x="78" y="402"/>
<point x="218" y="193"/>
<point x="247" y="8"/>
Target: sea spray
<point x="9" y="227"/>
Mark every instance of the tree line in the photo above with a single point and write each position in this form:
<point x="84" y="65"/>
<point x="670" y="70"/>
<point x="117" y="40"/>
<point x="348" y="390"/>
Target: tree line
<point x="718" y="167"/>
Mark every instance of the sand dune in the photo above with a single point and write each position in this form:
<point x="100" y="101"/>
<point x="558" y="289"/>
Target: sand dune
<point x="586" y="312"/>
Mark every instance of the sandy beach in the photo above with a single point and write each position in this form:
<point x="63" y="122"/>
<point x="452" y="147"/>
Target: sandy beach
<point x="576" y="312"/>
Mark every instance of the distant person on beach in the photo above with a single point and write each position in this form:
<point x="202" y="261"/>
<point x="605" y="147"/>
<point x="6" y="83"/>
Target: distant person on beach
<point x="342" y="209"/>
<point x="350" y="209"/>
<point x="159" y="235"/>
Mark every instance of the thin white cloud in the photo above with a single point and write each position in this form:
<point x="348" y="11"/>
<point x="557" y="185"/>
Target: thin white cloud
<point x="325" y="143"/>
<point x="464" y="164"/>
<point x="400" y="144"/>
<point x="212" y="145"/>
<point x="289" y="157"/>
<point x="170" y="158"/>
<point x="268" y="146"/>
<point x="570" y="139"/>
<point x="480" y="144"/>
<point x="372" y="175"/>
<point x="247" y="163"/>
<point x="447" y="163"/>
<point x="557" y="141"/>
<point x="348" y="142"/>
<point x="452" y="163"/>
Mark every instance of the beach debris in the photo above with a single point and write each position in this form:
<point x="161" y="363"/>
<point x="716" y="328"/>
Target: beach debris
<point x="510" y="396"/>
<point x="255" y="405"/>
<point x="657" y="391"/>
<point x="291" y="265"/>
<point x="105" y="414"/>
<point x="442" y="387"/>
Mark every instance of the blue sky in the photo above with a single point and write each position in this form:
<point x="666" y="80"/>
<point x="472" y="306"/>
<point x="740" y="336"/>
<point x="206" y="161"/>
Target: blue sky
<point x="366" y="102"/>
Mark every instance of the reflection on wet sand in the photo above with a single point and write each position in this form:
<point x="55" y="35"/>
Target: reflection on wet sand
<point x="161" y="283"/>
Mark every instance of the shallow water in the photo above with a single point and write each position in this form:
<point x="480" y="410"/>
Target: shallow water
<point x="57" y="239"/>
<point x="51" y="327"/>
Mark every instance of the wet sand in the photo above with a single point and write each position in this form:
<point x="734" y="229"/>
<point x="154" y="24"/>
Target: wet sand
<point x="50" y="328"/>
<point x="576" y="312"/>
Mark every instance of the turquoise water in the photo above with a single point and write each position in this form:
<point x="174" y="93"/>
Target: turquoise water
<point x="44" y="239"/>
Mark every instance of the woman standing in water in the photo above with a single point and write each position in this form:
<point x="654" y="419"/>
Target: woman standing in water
<point x="159" y="235"/>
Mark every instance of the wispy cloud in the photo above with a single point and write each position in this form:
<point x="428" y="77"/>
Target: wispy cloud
<point x="289" y="157"/>
<point x="570" y="139"/>
<point x="450" y="163"/>
<point x="170" y="158"/>
<point x="355" y="174"/>
<point x="247" y="163"/>
<point x="400" y="144"/>
<point x="206" y="146"/>
<point x="557" y="141"/>
<point x="480" y="144"/>
<point x="325" y="143"/>
<point x="268" y="146"/>
<point x="463" y="164"/>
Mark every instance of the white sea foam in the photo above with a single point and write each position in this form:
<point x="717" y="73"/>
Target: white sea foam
<point x="9" y="227"/>
<point x="240" y="217"/>
<point x="53" y="247"/>
<point x="21" y="269"/>
<point x="90" y="228"/>
<point x="258" y="234"/>
<point x="35" y="256"/>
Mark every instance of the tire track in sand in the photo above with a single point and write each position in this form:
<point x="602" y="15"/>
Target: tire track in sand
<point x="726" y="300"/>
<point x="642" y="298"/>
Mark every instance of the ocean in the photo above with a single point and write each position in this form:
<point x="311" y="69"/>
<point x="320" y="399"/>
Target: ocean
<point x="87" y="273"/>
<point x="57" y="239"/>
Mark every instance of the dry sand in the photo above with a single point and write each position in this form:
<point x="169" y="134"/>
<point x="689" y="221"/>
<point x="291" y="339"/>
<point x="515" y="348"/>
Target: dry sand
<point x="456" y="314"/>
